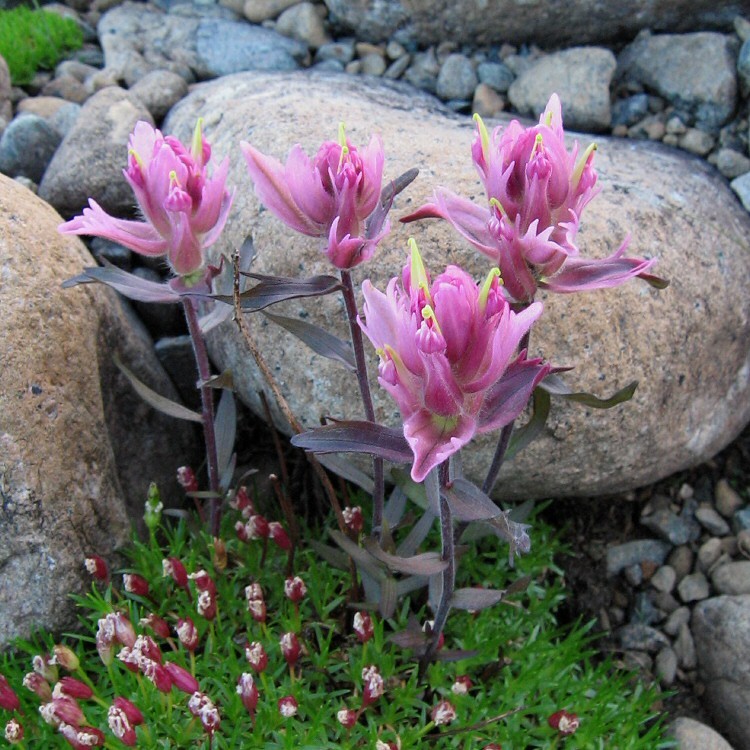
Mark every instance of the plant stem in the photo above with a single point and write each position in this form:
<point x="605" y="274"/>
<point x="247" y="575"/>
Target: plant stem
<point x="432" y="486"/>
<point x="505" y="433"/>
<point x="350" y="301"/>
<point x="207" y="410"/>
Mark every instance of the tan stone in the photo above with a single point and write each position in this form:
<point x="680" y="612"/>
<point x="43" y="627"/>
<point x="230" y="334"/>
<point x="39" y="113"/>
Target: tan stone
<point x="688" y="346"/>
<point x="77" y="446"/>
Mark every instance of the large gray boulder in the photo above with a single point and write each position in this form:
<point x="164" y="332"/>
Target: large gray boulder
<point x="78" y="447"/>
<point x="549" y="24"/>
<point x="688" y="346"/>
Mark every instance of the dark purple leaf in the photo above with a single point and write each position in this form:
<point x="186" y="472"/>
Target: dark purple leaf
<point x="522" y="436"/>
<point x="225" y="427"/>
<point x="346" y="469"/>
<point x="426" y="564"/>
<point x="357" y="437"/>
<point x="476" y="599"/>
<point x="556" y="386"/>
<point x="361" y="557"/>
<point x="655" y="281"/>
<point x="273" y="289"/>
<point x="318" y="339"/>
<point x="388" y="597"/>
<point x="508" y="397"/>
<point x="129" y="285"/>
<point x="224" y="380"/>
<point x="519" y="585"/>
<point x="467" y="502"/>
<point x="160" y="403"/>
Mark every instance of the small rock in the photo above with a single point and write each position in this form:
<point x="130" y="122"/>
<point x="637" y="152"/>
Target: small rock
<point x="497" y="75"/>
<point x="487" y="102"/>
<point x="637" y="637"/>
<point x="741" y="186"/>
<point x="423" y="71"/>
<point x="712" y="521"/>
<point x="6" y="105"/>
<point x="743" y="67"/>
<point x="693" y="588"/>
<point x="394" y="50"/>
<point x="622" y="556"/>
<point x="672" y="528"/>
<point x="397" y="68"/>
<point x="366" y="48"/>
<point x="303" y="23"/>
<point x="159" y="91"/>
<point x="743" y="543"/>
<point x="27" y="147"/>
<point x="457" y="78"/>
<point x="733" y="578"/>
<point x="342" y="51"/>
<point x="696" y="141"/>
<point x="68" y="88"/>
<point x="634" y="575"/>
<point x="726" y="499"/>
<point x="684" y="647"/>
<point x="732" y="163"/>
<point x="176" y="356"/>
<point x="708" y="554"/>
<point x="629" y="111"/>
<point x="372" y="64"/>
<point x="651" y="127"/>
<point x="681" y="559"/>
<point x="664" y="579"/>
<point x="644" y="611"/>
<point x="741" y="520"/>
<point x="257" y="11"/>
<point x="742" y="28"/>
<point x="637" y="661"/>
<point x="665" y="666"/>
<point x="41" y="106"/>
<point x="692" y="735"/>
<point x="665" y="601"/>
<point x="675" y="126"/>
<point x="114" y="253"/>
<point x="75" y="69"/>
<point x="676" y="620"/>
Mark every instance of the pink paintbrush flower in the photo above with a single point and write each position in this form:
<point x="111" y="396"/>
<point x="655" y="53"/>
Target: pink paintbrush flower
<point x="330" y="196"/>
<point x="448" y="356"/>
<point x="537" y="191"/>
<point x="184" y="208"/>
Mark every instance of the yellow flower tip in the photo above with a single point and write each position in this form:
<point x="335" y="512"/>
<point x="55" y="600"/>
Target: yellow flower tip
<point x="581" y="164"/>
<point x="483" y="135"/>
<point x="418" y="272"/>
<point x="429" y="314"/>
<point x="197" y="144"/>
<point x="485" y="291"/>
<point x="499" y="206"/>
<point x="132" y="152"/>
<point x="342" y="135"/>
<point x="538" y="143"/>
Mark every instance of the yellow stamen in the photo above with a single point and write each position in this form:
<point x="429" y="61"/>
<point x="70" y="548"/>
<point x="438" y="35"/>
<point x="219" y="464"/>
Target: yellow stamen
<point x="418" y="272"/>
<point x="173" y="179"/>
<point x="485" y="292"/>
<point x="429" y="314"/>
<point x="398" y="363"/>
<point x="538" y="142"/>
<point x="138" y="160"/>
<point x="484" y="136"/>
<point x="499" y="206"/>
<point x="581" y="165"/>
<point x="342" y="135"/>
<point x="197" y="144"/>
<point x="548" y="118"/>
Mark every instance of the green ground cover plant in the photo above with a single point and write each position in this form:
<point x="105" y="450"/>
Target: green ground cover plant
<point x="34" y="39"/>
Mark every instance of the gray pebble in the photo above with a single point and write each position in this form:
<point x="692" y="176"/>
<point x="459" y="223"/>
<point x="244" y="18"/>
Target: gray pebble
<point x="159" y="91"/>
<point x="637" y="637"/>
<point x="726" y="499"/>
<point x="397" y="68"/>
<point x="394" y="50"/>
<point x="302" y="22"/>
<point x="731" y="163"/>
<point x="665" y="666"/>
<point x="664" y="579"/>
<point x="27" y="147"/>
<point x="497" y="75"/>
<point x="644" y="610"/>
<point x="743" y="66"/>
<point x="684" y="647"/>
<point x="732" y="578"/>
<point x="372" y="64"/>
<point x="697" y="141"/>
<point x="664" y="601"/>
<point x="342" y="51"/>
<point x="622" y="556"/>
<point x="740" y="520"/>
<point x="65" y="118"/>
<point x="423" y="71"/>
<point x="712" y="521"/>
<point x="457" y="78"/>
<point x="629" y="111"/>
<point x="675" y="126"/>
<point x="672" y="528"/>
<point x="743" y="543"/>
<point x="634" y="575"/>
<point x="693" y="588"/>
<point x="331" y="66"/>
<point x="741" y="186"/>
<point x="676" y="620"/>
<point x="709" y="553"/>
<point x="681" y="559"/>
<point x="638" y="661"/>
<point x="741" y="28"/>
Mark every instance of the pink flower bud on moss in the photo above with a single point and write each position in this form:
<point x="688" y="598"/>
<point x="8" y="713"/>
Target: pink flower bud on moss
<point x="380" y="745"/>
<point x="187" y="634"/>
<point x="203" y="708"/>
<point x="65" y="657"/>
<point x="13" y="732"/>
<point x="173" y="567"/>
<point x="43" y="665"/>
<point x="288" y="706"/>
<point x="242" y="502"/>
<point x="241" y="531"/>
<point x="256" y="604"/>
<point x="564" y="722"/>
<point x="278" y="534"/>
<point x="81" y="738"/>
<point x="373" y="685"/>
<point x="147" y="647"/>
<point x="353" y="518"/>
<point x="206" y="604"/>
<point x="347" y="717"/>
<point x="256" y="656"/>
<point x="443" y="713"/>
<point x="66" y="710"/>
<point x="123" y="628"/>
<point x="135" y="717"/>
<point x="493" y="746"/>
<point x="186" y="479"/>
<point x="8" y="698"/>
<point x="462" y="685"/>
<point x="363" y="627"/>
<point x="295" y="589"/>
<point x="135" y="584"/>
<point x="290" y="648"/>
<point x="72" y="688"/>
<point x="203" y="581"/>
<point x="158" y="624"/>
<point x="97" y="567"/>
<point x="121" y="726"/>
<point x="37" y="684"/>
<point x="257" y="527"/>
<point x="181" y="678"/>
<point x="157" y="674"/>
<point x="248" y="692"/>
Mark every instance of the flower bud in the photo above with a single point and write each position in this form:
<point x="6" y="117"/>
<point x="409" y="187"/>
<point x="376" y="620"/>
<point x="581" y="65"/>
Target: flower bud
<point x="295" y="589"/>
<point x="157" y="674"/>
<point x="37" y="684"/>
<point x="288" y="706"/>
<point x="363" y="627"/>
<point x="242" y="502"/>
<point x="66" y="710"/>
<point x="82" y="738"/>
<point x="203" y="708"/>
<point x="8" y="698"/>
<point x="181" y="678"/>
<point x="187" y="634"/>
<point x="462" y="685"/>
<point x="564" y="722"/>
<point x="203" y="581"/>
<point x="206" y="604"/>
<point x="219" y="557"/>
<point x="347" y="717"/>
<point x="135" y="584"/>
<point x="443" y="713"/>
<point x="121" y="726"/>
<point x="257" y="527"/>
<point x="13" y="732"/>
<point x="135" y="717"/>
<point x="153" y="508"/>
<point x="97" y="567"/>
<point x="290" y="648"/>
<point x="65" y="657"/>
<point x="44" y="666"/>
<point x="173" y="567"/>
<point x="186" y="479"/>
<point x="277" y="533"/>
<point x="72" y="688"/>
<point x="158" y="624"/>
<point x="353" y="518"/>
<point x="256" y="656"/>
<point x="248" y="692"/>
<point x="493" y="746"/>
<point x="373" y="685"/>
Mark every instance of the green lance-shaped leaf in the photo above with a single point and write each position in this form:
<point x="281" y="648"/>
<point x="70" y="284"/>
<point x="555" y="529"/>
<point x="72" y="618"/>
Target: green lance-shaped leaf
<point x="467" y="502"/>
<point x="159" y="402"/>
<point x="357" y="437"/>
<point x="556" y="386"/>
<point x="318" y="339"/>
<point x="273" y="289"/>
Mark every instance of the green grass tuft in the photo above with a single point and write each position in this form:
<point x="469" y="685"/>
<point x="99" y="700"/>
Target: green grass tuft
<point x="34" y="39"/>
